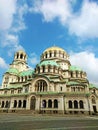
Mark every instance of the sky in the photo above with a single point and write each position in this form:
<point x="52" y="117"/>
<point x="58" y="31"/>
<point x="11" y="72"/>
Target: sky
<point x="35" y="25"/>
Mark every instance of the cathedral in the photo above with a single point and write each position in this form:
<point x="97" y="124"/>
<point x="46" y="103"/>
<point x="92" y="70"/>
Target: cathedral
<point x="54" y="86"/>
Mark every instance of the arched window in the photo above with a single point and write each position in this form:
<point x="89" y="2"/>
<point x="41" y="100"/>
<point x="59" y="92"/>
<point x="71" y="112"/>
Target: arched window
<point x="21" y="56"/>
<point x="2" y="105"/>
<point x="15" y="103"/>
<point x="7" y="104"/>
<point x="19" y="103"/>
<point x="55" y="103"/>
<point x="70" y="104"/>
<point x="50" y="54"/>
<point x="49" y="103"/>
<point x="41" y="86"/>
<point x="44" y="103"/>
<point x="38" y="70"/>
<point x="46" y="55"/>
<point x="81" y="104"/>
<point x="24" y="103"/>
<point x="55" y="54"/>
<point x="49" y="68"/>
<point x="75" y="104"/>
<point x="43" y="69"/>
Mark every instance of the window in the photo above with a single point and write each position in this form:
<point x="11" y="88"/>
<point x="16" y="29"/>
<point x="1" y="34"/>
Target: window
<point x="70" y="104"/>
<point x="44" y="103"/>
<point x="81" y="104"/>
<point x="55" y="103"/>
<point x="24" y="103"/>
<point x="60" y="88"/>
<point x="41" y="85"/>
<point x="75" y="104"/>
<point x="12" y="91"/>
<point x="49" y="103"/>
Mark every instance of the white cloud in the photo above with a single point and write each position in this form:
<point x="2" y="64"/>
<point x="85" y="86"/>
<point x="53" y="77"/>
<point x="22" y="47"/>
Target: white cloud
<point x="7" y="10"/>
<point x="33" y="59"/>
<point x="82" y="23"/>
<point x="11" y="23"/>
<point x="3" y="64"/>
<point x="85" y="23"/>
<point x="88" y="62"/>
<point x="51" y="9"/>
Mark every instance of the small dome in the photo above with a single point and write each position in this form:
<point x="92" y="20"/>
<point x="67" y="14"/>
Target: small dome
<point x="26" y="73"/>
<point x="12" y="71"/>
<point x="21" y="51"/>
<point x="54" y="48"/>
<point x="48" y="62"/>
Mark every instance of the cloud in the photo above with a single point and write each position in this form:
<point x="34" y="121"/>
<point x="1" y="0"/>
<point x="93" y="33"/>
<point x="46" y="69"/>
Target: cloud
<point x="7" y="10"/>
<point x="33" y="59"/>
<point x="52" y="9"/>
<point x="88" y="62"/>
<point x="84" y="23"/>
<point x="11" y="23"/>
<point x="3" y="64"/>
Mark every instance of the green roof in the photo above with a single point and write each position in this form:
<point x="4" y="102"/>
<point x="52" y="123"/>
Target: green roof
<point x="26" y="73"/>
<point x="48" y="62"/>
<point x="72" y="83"/>
<point x="92" y="86"/>
<point x="13" y="71"/>
<point x="75" y="68"/>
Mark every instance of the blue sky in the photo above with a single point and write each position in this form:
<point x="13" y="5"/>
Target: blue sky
<point x="34" y="25"/>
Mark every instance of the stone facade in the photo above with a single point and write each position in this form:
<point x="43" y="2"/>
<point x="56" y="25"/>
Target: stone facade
<point x="54" y="86"/>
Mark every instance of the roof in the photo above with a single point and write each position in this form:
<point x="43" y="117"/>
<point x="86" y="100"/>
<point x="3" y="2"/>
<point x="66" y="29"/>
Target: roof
<point x="54" y="48"/>
<point x="72" y="83"/>
<point x="13" y="71"/>
<point x="48" y="62"/>
<point x="92" y="86"/>
<point x="75" y="68"/>
<point x="26" y="73"/>
<point x="16" y="72"/>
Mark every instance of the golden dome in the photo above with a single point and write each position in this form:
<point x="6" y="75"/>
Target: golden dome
<point x="54" y="48"/>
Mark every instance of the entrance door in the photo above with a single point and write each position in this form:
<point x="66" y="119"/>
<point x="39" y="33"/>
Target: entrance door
<point x="33" y="103"/>
<point x="94" y="109"/>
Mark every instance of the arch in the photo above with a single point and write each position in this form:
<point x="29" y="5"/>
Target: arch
<point x="55" y="103"/>
<point x="33" y="103"/>
<point x="21" y="56"/>
<point x="49" y="103"/>
<point x="43" y="69"/>
<point x="50" y="54"/>
<point x="41" y="85"/>
<point x="2" y="105"/>
<point x="7" y="104"/>
<point x="15" y="103"/>
<point x="44" y="103"/>
<point x="46" y="55"/>
<point x="24" y="103"/>
<point x="49" y="68"/>
<point x="19" y="103"/>
<point x="38" y="70"/>
<point x="81" y="104"/>
<point x="70" y="103"/>
<point x="75" y="104"/>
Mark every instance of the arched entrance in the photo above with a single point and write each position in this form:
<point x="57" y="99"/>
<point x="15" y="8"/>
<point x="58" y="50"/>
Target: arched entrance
<point x="33" y="103"/>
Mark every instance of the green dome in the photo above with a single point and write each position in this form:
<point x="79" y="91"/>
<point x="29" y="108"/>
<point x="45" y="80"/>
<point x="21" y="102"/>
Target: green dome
<point x="26" y="73"/>
<point x="48" y="62"/>
<point x="12" y="71"/>
<point x="75" y="68"/>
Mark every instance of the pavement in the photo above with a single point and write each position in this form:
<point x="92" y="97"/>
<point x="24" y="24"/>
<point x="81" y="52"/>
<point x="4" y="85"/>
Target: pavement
<point x="47" y="122"/>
